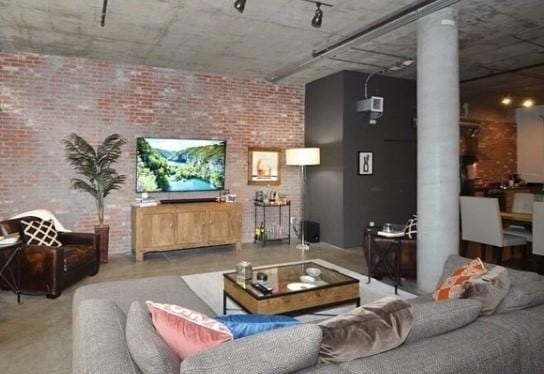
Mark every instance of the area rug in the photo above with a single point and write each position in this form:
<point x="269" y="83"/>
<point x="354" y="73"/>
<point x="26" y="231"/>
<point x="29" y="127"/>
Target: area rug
<point x="209" y="287"/>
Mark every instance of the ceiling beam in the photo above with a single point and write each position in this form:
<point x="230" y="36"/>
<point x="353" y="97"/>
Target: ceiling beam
<point x="382" y="26"/>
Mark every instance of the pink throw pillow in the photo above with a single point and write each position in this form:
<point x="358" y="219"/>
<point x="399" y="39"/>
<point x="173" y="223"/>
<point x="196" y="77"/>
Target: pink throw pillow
<point x="185" y="331"/>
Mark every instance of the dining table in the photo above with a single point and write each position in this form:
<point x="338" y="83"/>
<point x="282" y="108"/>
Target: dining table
<point x="525" y="219"/>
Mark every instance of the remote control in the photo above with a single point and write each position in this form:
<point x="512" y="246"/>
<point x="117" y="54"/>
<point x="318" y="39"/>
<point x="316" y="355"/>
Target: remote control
<point x="265" y="290"/>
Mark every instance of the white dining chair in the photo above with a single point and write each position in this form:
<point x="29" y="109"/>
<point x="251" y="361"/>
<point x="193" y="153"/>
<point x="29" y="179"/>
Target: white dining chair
<point x="538" y="228"/>
<point x="481" y="223"/>
<point x="523" y="202"/>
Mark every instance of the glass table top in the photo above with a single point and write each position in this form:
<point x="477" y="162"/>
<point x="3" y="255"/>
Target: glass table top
<point x="290" y="279"/>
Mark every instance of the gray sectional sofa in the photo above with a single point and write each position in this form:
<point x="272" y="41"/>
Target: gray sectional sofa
<point x="446" y="338"/>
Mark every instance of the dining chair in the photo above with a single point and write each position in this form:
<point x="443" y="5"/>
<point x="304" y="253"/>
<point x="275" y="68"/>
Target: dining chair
<point x="538" y="233"/>
<point x="523" y="202"/>
<point x="481" y="223"/>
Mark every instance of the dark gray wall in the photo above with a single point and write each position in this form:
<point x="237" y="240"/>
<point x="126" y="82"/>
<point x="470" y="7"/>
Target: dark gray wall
<point x="324" y="128"/>
<point x="389" y="195"/>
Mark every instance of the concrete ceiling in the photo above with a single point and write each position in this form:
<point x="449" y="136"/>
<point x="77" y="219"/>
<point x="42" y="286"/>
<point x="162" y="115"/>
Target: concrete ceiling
<point x="211" y="36"/>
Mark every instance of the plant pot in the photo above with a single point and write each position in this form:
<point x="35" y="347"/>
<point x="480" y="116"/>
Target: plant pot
<point x="102" y="235"/>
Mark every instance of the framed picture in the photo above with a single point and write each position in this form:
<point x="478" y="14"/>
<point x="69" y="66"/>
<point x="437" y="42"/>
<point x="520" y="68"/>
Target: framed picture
<point x="264" y="167"/>
<point x="366" y="163"/>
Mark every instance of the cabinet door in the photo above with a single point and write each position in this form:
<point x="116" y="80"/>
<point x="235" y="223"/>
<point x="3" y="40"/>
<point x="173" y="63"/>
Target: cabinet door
<point x="191" y="227"/>
<point x="158" y="230"/>
<point x="224" y="226"/>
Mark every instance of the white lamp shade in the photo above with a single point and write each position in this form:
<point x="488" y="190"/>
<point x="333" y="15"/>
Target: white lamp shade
<point x="302" y="156"/>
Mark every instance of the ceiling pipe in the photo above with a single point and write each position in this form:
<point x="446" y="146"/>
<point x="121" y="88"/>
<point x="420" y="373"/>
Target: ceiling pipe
<point x="511" y="71"/>
<point x="382" y="26"/>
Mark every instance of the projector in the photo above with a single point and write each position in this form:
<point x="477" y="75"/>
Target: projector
<point x="372" y="105"/>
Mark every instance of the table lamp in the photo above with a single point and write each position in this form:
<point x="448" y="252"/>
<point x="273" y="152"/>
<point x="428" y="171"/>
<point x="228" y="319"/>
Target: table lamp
<point x="302" y="157"/>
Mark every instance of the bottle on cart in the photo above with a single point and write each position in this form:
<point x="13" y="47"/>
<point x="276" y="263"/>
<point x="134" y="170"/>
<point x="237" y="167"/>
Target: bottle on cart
<point x="262" y="232"/>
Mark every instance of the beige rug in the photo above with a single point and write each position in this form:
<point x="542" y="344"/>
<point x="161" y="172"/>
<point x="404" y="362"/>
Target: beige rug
<point x="209" y="287"/>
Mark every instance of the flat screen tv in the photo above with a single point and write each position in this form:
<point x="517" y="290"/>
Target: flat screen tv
<point x="180" y="165"/>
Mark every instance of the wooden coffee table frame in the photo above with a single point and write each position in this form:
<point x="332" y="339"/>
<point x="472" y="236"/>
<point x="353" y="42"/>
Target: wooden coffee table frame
<point x="292" y="303"/>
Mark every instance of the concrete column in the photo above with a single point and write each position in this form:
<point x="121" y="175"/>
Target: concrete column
<point x="438" y="144"/>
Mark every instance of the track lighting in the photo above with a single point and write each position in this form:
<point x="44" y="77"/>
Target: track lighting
<point x="317" y="20"/>
<point x="240" y="5"/>
<point x="507" y="100"/>
<point x="318" y="17"/>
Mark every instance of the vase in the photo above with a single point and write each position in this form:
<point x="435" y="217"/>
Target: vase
<point x="102" y="235"/>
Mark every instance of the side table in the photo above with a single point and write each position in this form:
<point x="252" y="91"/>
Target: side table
<point x="8" y="254"/>
<point x="384" y="254"/>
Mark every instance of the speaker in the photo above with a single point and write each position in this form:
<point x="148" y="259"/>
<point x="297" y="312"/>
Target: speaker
<point x="311" y="231"/>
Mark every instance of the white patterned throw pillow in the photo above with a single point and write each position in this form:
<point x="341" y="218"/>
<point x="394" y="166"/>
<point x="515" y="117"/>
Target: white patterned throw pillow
<point x="410" y="229"/>
<point x="40" y="232"/>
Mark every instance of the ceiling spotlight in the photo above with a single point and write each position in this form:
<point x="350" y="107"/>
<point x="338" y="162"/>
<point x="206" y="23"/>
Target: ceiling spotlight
<point x="240" y="5"/>
<point x="407" y="63"/>
<point x="318" y="17"/>
<point x="528" y="103"/>
<point x="507" y="100"/>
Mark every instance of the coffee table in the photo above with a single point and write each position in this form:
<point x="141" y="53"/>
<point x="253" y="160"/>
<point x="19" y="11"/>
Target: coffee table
<point x="331" y="288"/>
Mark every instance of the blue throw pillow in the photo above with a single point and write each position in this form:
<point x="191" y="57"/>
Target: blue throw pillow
<point x="250" y="324"/>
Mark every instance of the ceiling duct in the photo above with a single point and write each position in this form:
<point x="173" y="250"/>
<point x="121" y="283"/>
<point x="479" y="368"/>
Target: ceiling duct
<point x="470" y="131"/>
<point x="382" y="26"/>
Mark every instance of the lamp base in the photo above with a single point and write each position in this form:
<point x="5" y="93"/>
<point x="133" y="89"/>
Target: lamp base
<point x="304" y="247"/>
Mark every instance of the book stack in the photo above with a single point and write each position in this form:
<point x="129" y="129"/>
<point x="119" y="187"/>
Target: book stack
<point x="148" y="201"/>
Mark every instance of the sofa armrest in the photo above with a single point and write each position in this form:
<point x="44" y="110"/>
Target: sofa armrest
<point x="42" y="266"/>
<point x="81" y="238"/>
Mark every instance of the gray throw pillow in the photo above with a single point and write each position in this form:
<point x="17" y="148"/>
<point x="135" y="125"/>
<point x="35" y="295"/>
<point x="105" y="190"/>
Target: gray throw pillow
<point x="278" y="351"/>
<point x="373" y="328"/>
<point x="522" y="296"/>
<point x="489" y="288"/>
<point x="146" y="347"/>
<point x="432" y="318"/>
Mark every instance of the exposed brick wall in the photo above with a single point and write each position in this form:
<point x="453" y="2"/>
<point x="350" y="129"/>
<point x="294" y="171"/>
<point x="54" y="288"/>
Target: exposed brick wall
<point x="44" y="98"/>
<point x="497" y="140"/>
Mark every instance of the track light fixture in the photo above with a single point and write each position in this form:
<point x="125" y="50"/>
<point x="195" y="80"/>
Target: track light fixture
<point x="240" y="5"/>
<point x="317" y="20"/>
<point x="318" y="17"/>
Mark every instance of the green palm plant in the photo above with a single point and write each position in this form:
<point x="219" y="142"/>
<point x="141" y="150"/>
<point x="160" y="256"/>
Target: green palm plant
<point x="99" y="177"/>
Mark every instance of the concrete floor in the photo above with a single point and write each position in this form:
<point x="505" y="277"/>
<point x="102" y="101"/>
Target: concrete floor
<point x="36" y="336"/>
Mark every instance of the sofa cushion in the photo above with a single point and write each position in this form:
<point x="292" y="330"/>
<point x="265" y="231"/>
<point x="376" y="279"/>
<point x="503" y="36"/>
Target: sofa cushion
<point x="149" y="351"/>
<point x="272" y="352"/>
<point x="477" y="348"/>
<point x="432" y="318"/>
<point x="523" y="296"/>
<point x="527" y="326"/>
<point x="187" y="331"/>
<point x="101" y="343"/>
<point x="454" y="285"/>
<point x="516" y="276"/>
<point x="242" y="325"/>
<point x="490" y="289"/>
<point x="365" y="331"/>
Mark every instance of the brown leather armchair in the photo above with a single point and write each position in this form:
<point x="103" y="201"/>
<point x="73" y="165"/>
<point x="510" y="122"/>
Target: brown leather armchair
<point x="51" y="269"/>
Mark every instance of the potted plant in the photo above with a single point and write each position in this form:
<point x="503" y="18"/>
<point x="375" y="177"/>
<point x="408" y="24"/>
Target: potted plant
<point x="99" y="177"/>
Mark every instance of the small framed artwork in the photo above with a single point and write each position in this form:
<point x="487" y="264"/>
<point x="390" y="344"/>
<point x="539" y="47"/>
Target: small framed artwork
<point x="264" y="166"/>
<point x="366" y="163"/>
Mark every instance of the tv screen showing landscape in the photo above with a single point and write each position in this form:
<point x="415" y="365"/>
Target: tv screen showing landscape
<point x="180" y="165"/>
